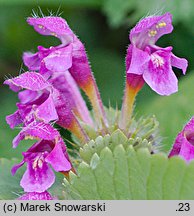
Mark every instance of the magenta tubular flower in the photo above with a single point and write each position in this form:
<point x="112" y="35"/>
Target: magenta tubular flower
<point x="35" y="102"/>
<point x="184" y="143"/>
<point x="57" y="59"/>
<point x="45" y="103"/>
<point x="55" y="26"/>
<point x="37" y="196"/>
<point x="49" y="60"/>
<point x="39" y="176"/>
<point x="67" y="87"/>
<point x="36" y="130"/>
<point x="151" y="62"/>
<point x="146" y="62"/>
<point x="154" y="64"/>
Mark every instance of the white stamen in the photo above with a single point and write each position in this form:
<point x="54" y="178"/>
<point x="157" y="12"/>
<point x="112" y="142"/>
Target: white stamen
<point x="38" y="162"/>
<point x="157" y="60"/>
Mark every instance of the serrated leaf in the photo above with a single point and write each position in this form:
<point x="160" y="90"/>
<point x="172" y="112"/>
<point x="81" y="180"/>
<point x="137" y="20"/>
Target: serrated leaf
<point x="143" y="157"/>
<point x="118" y="137"/>
<point x="86" y="176"/>
<point x="112" y="141"/>
<point x="124" y="173"/>
<point x="154" y="183"/>
<point x="104" y="175"/>
<point x="187" y="188"/>
<point x="121" y="175"/>
<point x="137" y="183"/>
<point x="172" y="180"/>
<point x="94" y="161"/>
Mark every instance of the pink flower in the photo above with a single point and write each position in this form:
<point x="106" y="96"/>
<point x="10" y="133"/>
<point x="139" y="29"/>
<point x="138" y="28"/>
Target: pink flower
<point x="146" y="62"/>
<point x="151" y="63"/>
<point x="39" y="176"/>
<point x="45" y="100"/>
<point x="154" y="64"/>
<point x="184" y="143"/>
<point x="69" y="55"/>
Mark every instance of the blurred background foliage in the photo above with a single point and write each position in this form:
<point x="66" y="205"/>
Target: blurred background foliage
<point x="103" y="26"/>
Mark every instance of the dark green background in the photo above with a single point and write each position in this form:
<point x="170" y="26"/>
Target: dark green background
<point x="103" y="27"/>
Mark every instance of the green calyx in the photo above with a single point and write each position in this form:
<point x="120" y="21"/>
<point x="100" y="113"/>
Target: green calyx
<point x="141" y="132"/>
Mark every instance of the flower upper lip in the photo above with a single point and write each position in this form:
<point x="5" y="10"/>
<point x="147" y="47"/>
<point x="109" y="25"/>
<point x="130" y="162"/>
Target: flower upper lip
<point x="150" y="29"/>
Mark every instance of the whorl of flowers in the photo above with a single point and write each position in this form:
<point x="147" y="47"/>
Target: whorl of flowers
<point x="49" y="93"/>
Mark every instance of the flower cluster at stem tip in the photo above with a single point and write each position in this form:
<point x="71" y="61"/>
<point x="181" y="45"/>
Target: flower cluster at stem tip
<point x="49" y="93"/>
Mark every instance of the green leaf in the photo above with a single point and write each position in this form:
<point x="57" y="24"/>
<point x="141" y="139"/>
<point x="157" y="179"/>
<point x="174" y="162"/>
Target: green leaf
<point x="137" y="183"/>
<point x="118" y="137"/>
<point x="187" y="187"/>
<point x="172" y="182"/>
<point x="10" y="185"/>
<point x="121" y="172"/>
<point x="154" y="181"/>
<point x="104" y="175"/>
<point x="120" y="157"/>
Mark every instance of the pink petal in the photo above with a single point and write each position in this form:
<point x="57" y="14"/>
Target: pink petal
<point x="177" y="145"/>
<point x="28" y="80"/>
<point x="36" y="130"/>
<point x="55" y="26"/>
<point x="57" y="158"/>
<point x="67" y="86"/>
<point x="37" y="180"/>
<point x="189" y="127"/>
<point x="135" y="81"/>
<point x="16" y="167"/>
<point x="150" y="29"/>
<point x="27" y="96"/>
<point x="181" y="63"/>
<point x="158" y="74"/>
<point x="59" y="60"/>
<point x="80" y="69"/>
<point x="184" y="143"/>
<point x="14" y="119"/>
<point x="31" y="60"/>
<point x="139" y="58"/>
<point x="46" y="111"/>
<point x="187" y="150"/>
